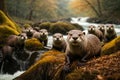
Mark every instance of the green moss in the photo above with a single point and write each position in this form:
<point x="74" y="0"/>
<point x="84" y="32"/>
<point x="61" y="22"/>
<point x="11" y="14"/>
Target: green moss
<point x="61" y="27"/>
<point x="45" y="25"/>
<point x="78" y="26"/>
<point x="26" y="26"/>
<point x="33" y="44"/>
<point x="111" y="47"/>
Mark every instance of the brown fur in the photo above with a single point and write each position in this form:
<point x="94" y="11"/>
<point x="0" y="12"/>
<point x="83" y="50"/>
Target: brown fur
<point x="7" y="51"/>
<point x="81" y="47"/>
<point x="37" y="35"/>
<point x="44" y="36"/>
<point x="110" y="33"/>
<point x="93" y="30"/>
<point x="102" y="28"/>
<point x="16" y="41"/>
<point x="59" y="42"/>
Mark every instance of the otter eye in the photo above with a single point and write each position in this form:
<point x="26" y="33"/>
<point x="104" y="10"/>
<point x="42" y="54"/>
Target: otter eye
<point x="79" y="34"/>
<point x="70" y="34"/>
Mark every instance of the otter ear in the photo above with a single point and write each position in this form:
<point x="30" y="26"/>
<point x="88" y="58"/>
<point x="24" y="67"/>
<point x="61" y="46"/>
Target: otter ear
<point x="84" y="33"/>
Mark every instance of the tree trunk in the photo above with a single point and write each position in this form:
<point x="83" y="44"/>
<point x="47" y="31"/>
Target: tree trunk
<point x="30" y="15"/>
<point x="99" y="7"/>
<point x="2" y="6"/>
<point x="93" y="8"/>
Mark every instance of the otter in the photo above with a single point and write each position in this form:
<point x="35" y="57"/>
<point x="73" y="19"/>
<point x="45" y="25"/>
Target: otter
<point x="93" y="30"/>
<point x="36" y="35"/>
<point x="101" y="27"/>
<point x="110" y="33"/>
<point x="30" y="33"/>
<point x="58" y="42"/>
<point x="16" y="41"/>
<point x="6" y="51"/>
<point x="81" y="47"/>
<point x="44" y="36"/>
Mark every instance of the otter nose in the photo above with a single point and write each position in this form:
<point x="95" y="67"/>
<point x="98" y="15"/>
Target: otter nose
<point x="75" y="38"/>
<point x="57" y="38"/>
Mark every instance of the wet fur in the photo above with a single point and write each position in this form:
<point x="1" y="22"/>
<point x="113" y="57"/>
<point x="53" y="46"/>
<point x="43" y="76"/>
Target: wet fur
<point x="84" y="48"/>
<point x="44" y="36"/>
<point x="93" y="30"/>
<point x="59" y="42"/>
<point x="16" y="41"/>
<point x="110" y="33"/>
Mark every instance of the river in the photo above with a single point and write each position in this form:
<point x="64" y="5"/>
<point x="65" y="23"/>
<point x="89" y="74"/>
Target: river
<point x="80" y="21"/>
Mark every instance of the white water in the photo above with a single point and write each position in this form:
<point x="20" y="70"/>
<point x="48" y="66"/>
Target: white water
<point x="80" y="21"/>
<point x="9" y="76"/>
<point x="83" y="22"/>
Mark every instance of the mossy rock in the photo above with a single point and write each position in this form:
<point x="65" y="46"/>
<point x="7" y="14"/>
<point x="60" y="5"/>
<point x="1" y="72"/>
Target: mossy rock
<point x="111" y="47"/>
<point x="7" y="27"/>
<point x="26" y="26"/>
<point x="45" y="25"/>
<point x="4" y="20"/>
<point x="61" y="27"/>
<point x="103" y="68"/>
<point x="45" y="67"/>
<point x="78" y="26"/>
<point x="51" y="64"/>
<point x="33" y="44"/>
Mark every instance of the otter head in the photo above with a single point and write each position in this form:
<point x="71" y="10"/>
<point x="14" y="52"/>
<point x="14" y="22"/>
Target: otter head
<point x="110" y="28"/>
<point x="30" y="32"/>
<point x="58" y="38"/>
<point x="22" y="37"/>
<point x="43" y="32"/>
<point x="75" y="37"/>
<point x="101" y="27"/>
<point x="91" y="29"/>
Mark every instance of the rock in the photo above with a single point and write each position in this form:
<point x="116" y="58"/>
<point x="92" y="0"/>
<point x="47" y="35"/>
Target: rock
<point x="111" y="47"/>
<point x="7" y="27"/>
<point x="50" y="67"/>
<point x="33" y="44"/>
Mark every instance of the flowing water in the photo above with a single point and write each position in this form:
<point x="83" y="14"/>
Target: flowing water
<point x="80" y="21"/>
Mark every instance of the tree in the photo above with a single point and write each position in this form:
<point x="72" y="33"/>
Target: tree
<point x="2" y="6"/>
<point x="112" y="8"/>
<point x="86" y="6"/>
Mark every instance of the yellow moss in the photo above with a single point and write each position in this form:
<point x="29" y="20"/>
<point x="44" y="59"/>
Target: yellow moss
<point x="5" y="31"/>
<point x="7" y="27"/>
<point x="50" y="67"/>
<point x="4" y="20"/>
<point x="33" y="44"/>
<point x="51" y="52"/>
<point x="43" y="67"/>
<point x="111" y="47"/>
<point x="26" y="26"/>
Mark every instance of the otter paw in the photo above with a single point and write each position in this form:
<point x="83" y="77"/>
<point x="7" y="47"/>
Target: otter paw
<point x="66" y="68"/>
